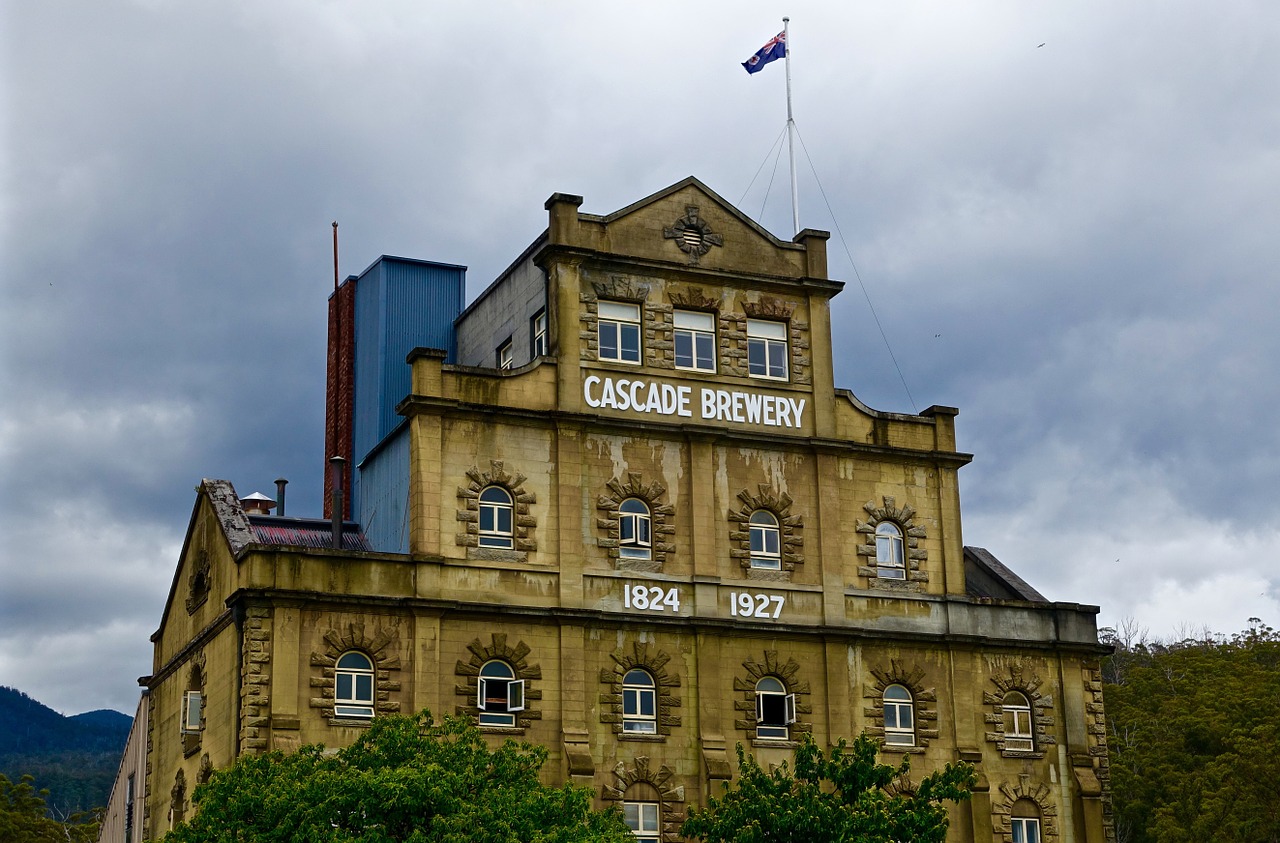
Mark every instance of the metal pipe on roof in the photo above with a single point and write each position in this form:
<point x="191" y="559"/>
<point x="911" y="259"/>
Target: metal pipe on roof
<point x="280" y="484"/>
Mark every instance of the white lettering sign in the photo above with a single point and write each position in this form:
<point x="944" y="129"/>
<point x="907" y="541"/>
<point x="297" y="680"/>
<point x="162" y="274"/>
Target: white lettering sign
<point x="650" y="598"/>
<point x="744" y="605"/>
<point x="714" y="405"/>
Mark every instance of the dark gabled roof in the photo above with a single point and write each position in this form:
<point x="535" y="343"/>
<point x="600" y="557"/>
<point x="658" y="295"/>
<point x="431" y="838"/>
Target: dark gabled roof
<point x="305" y="532"/>
<point x="987" y="576"/>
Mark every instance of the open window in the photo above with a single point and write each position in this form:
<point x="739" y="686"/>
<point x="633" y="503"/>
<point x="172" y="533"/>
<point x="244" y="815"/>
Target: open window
<point x="635" y="529"/>
<point x="775" y="709"/>
<point x="353" y="686"/>
<point x="192" y="707"/>
<point x="499" y="695"/>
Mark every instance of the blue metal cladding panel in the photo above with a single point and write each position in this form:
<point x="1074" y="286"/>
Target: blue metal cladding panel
<point x="368" y="368"/>
<point x="384" y="497"/>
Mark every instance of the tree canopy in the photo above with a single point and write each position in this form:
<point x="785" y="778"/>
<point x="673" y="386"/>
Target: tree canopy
<point x="406" y="779"/>
<point x="23" y="817"/>
<point x="1194" y="728"/>
<point x="843" y="795"/>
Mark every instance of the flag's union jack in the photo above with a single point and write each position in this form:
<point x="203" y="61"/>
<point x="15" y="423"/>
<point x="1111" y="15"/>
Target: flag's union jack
<point x="775" y="49"/>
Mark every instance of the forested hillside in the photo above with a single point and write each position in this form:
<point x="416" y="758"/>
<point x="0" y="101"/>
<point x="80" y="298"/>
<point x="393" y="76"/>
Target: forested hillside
<point x="1195" y="737"/>
<point x="75" y="758"/>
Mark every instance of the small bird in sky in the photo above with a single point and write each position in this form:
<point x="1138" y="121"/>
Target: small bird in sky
<point x="1041" y="44"/>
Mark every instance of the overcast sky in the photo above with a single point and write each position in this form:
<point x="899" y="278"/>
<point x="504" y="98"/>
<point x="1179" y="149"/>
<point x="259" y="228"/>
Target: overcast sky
<point x="1064" y="213"/>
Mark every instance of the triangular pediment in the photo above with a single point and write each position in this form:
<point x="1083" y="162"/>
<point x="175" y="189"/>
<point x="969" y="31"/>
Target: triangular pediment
<point x="690" y="224"/>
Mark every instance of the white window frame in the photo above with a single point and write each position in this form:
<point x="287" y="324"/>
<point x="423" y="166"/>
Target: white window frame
<point x="538" y="334"/>
<point x="508" y="694"/>
<point x="491" y="513"/>
<point x="635" y="529"/>
<point x="768" y="352"/>
<point x="902" y="709"/>
<point x="770" y="688"/>
<point x="506" y="355"/>
<point x="1022" y="737"/>
<point x="634" y="695"/>
<point x="698" y="329"/>
<point x="891" y="561"/>
<point x="765" y="540"/>
<point x="192" y="709"/>
<point x="1025" y="829"/>
<point x="353" y="705"/>
<point x="619" y="322"/>
<point x="644" y="819"/>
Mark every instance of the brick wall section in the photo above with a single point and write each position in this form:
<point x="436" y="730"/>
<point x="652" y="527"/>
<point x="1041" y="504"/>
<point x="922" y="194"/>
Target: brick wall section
<point x="255" y="687"/>
<point x="340" y="388"/>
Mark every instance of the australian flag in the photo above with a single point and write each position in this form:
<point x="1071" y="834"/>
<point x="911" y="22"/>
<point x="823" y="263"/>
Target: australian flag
<point x="775" y="49"/>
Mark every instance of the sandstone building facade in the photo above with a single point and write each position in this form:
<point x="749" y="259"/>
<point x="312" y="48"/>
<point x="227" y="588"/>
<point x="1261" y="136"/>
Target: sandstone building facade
<point x="619" y="507"/>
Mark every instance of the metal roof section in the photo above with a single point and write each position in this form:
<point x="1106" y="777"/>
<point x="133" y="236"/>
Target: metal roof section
<point x="315" y="533"/>
<point x="987" y="576"/>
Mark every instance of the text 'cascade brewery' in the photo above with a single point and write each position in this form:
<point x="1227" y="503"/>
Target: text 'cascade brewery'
<point x="667" y="399"/>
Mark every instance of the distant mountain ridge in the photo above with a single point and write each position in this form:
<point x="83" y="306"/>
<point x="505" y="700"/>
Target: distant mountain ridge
<point x="74" y="757"/>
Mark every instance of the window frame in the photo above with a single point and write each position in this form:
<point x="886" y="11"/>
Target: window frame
<point x="766" y="728"/>
<point x="891" y="551"/>
<point x="192" y="713"/>
<point x="643" y="834"/>
<point x="898" y="734"/>
<point x="495" y="536"/>
<point x="538" y="334"/>
<point x="499" y="709"/>
<point x="1015" y="740"/>
<point x="354" y="706"/>
<point x="762" y="341"/>
<point x="762" y="558"/>
<point x="506" y="355"/>
<point x="621" y="326"/>
<point x="694" y="336"/>
<point x="635" y="530"/>
<point x="1019" y="826"/>
<point x="634" y="694"/>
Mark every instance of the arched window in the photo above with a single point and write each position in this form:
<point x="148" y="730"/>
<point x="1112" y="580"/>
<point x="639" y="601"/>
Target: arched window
<point x="496" y="513"/>
<point x="775" y="709"/>
<point x="639" y="703"/>
<point x="353" y="686"/>
<point x="642" y="811"/>
<point x="1018" y="733"/>
<point x="899" y="717"/>
<point x="890" y="563"/>
<point x="635" y="540"/>
<point x="1025" y="821"/>
<point x="499" y="694"/>
<point x="766" y="545"/>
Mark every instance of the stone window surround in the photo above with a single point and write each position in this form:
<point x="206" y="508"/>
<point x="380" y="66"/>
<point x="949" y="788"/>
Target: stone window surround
<point x="468" y="514"/>
<point x="1038" y="793"/>
<point x="669" y="796"/>
<point x="790" y="529"/>
<point x="744" y="685"/>
<point x="382" y="648"/>
<point x="654" y="661"/>
<point x="660" y="515"/>
<point x="924" y="702"/>
<point x="516" y="657"/>
<point x="1019" y="677"/>
<point x="912" y="536"/>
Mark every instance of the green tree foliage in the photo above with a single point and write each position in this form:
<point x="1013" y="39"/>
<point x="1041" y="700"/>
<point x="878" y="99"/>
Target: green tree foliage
<point x="845" y="795"/>
<point x="23" y="819"/>
<point x="406" y="779"/>
<point x="1194" y="735"/>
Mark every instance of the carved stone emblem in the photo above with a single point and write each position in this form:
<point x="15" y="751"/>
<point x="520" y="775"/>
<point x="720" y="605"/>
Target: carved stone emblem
<point x="692" y="234"/>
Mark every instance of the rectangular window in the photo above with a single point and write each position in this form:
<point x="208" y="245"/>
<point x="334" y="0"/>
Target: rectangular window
<point x="498" y="700"/>
<point x="1025" y="830"/>
<point x="767" y="349"/>
<point x="129" y="797"/>
<point x="191" y="703"/>
<point x="898" y="724"/>
<point x="642" y="819"/>
<point x="505" y="355"/>
<point x="538" y="334"/>
<point x="619" y="332"/>
<point x="774" y="713"/>
<point x="695" y="340"/>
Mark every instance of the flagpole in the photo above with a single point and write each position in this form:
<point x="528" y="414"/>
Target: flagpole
<point x="791" y="130"/>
